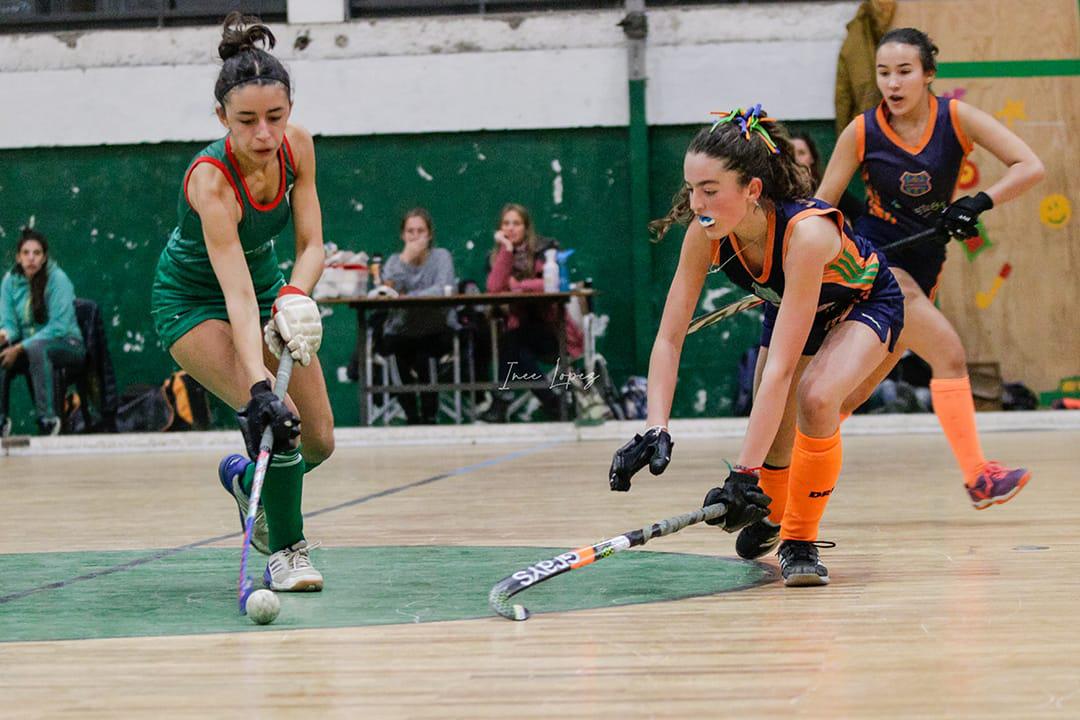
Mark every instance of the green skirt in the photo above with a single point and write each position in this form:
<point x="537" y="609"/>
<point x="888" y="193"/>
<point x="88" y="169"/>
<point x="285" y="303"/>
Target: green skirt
<point x="177" y="307"/>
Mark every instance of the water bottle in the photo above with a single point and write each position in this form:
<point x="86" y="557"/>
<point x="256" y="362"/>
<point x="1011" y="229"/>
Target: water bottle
<point x="551" y="271"/>
<point x="564" y="269"/>
<point x="375" y="269"/>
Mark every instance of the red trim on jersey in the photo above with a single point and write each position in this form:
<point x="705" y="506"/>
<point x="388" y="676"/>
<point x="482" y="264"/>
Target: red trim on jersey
<point x="281" y="180"/>
<point x="860" y="136"/>
<point x="766" y="263"/>
<point x="224" y="171"/>
<point x="288" y="152"/>
<point x="928" y="131"/>
<point x="961" y="136"/>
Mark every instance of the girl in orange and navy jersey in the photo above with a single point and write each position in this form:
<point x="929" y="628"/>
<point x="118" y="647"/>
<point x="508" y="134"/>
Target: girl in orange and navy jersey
<point x="910" y="150"/>
<point x="833" y="313"/>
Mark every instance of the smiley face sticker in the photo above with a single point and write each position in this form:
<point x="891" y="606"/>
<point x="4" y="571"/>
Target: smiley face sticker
<point x="1055" y="211"/>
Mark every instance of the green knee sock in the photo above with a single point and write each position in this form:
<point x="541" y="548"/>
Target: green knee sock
<point x="282" y="491"/>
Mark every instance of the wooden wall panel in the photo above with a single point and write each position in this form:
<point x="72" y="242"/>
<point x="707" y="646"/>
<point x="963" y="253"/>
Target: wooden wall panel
<point x="1031" y="327"/>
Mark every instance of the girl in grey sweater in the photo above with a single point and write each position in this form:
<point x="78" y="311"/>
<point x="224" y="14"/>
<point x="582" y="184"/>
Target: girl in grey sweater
<point x="414" y="335"/>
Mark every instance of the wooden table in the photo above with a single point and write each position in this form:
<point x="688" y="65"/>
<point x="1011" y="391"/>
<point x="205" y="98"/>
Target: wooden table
<point x="363" y="304"/>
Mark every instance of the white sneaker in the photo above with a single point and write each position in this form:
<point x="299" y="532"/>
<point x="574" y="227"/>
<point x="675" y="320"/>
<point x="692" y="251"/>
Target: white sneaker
<point x="290" y="570"/>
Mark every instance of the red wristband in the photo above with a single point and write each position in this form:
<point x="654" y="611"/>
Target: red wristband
<point x="290" y="290"/>
<point x="286" y="290"/>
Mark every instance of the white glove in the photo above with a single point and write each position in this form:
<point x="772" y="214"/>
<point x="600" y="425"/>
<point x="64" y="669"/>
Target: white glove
<point x="295" y="323"/>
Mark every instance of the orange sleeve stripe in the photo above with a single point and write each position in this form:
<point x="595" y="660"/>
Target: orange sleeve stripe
<point x="954" y="115"/>
<point x="860" y="136"/>
<point x="809" y="212"/>
<point x="928" y="131"/>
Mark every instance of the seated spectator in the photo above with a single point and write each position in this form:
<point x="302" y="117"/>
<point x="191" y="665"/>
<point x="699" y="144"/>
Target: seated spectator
<point x="806" y="154"/>
<point x="416" y="335"/>
<point x="530" y="337"/>
<point x="38" y="330"/>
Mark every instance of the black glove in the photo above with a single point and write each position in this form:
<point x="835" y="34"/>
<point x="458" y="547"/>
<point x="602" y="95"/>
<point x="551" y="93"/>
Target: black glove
<point x="267" y="410"/>
<point x="959" y="219"/>
<point x="746" y="503"/>
<point x="654" y="448"/>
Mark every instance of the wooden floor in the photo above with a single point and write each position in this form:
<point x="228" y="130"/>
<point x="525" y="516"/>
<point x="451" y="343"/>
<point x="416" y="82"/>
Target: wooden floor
<point x="935" y="610"/>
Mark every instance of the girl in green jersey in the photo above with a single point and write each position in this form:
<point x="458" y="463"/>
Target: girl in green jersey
<point x="218" y="283"/>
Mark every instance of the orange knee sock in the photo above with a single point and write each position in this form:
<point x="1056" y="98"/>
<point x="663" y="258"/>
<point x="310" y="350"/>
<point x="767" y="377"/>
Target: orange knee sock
<point x="815" y="468"/>
<point x="955" y="410"/>
<point x="773" y="482"/>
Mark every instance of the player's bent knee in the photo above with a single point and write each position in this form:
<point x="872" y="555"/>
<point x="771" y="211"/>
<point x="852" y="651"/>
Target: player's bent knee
<point x="951" y="360"/>
<point x="817" y="401"/>
<point x="319" y="448"/>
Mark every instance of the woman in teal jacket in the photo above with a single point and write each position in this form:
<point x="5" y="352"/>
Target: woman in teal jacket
<point x="38" y="331"/>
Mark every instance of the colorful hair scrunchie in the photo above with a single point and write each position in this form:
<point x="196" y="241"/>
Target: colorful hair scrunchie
<point x="749" y="122"/>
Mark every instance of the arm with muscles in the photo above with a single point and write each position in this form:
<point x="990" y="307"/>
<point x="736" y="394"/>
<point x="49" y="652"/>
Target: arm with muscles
<point x="814" y="242"/>
<point x="653" y="448"/>
<point x="842" y="166"/>
<point x="211" y="196"/>
<point x="295" y="321"/>
<point x="1024" y="170"/>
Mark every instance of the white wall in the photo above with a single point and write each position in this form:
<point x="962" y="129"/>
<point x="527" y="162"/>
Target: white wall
<point x="549" y="70"/>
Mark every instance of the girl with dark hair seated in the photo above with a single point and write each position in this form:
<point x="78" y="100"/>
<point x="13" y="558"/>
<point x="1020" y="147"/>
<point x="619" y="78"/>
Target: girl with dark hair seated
<point x="38" y="331"/>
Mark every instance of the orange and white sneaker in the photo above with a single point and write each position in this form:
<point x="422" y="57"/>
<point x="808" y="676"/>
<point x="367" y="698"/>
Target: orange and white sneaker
<point x="996" y="484"/>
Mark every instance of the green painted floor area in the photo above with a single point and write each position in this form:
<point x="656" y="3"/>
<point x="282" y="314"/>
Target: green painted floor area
<point x="193" y="591"/>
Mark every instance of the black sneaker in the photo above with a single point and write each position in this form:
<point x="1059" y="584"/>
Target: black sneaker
<point x="757" y="539"/>
<point x="800" y="565"/>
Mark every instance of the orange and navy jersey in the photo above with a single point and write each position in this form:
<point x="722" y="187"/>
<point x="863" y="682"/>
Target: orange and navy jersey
<point x="846" y="279"/>
<point x="907" y="186"/>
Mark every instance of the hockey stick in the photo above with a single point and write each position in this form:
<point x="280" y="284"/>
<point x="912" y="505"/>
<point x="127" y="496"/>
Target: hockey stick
<point x="245" y="586"/>
<point x="711" y="318"/>
<point x="752" y="301"/>
<point x="508" y="587"/>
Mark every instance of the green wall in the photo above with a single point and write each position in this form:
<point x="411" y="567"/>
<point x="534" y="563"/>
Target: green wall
<point x="108" y="210"/>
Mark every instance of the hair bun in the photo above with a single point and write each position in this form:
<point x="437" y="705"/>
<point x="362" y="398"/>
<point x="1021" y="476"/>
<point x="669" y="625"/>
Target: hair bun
<point x="243" y="33"/>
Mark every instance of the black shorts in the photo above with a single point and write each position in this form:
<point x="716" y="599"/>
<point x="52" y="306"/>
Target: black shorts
<point x="882" y="311"/>
<point x="923" y="262"/>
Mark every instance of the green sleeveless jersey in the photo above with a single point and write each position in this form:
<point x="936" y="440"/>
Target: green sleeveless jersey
<point x="186" y="290"/>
